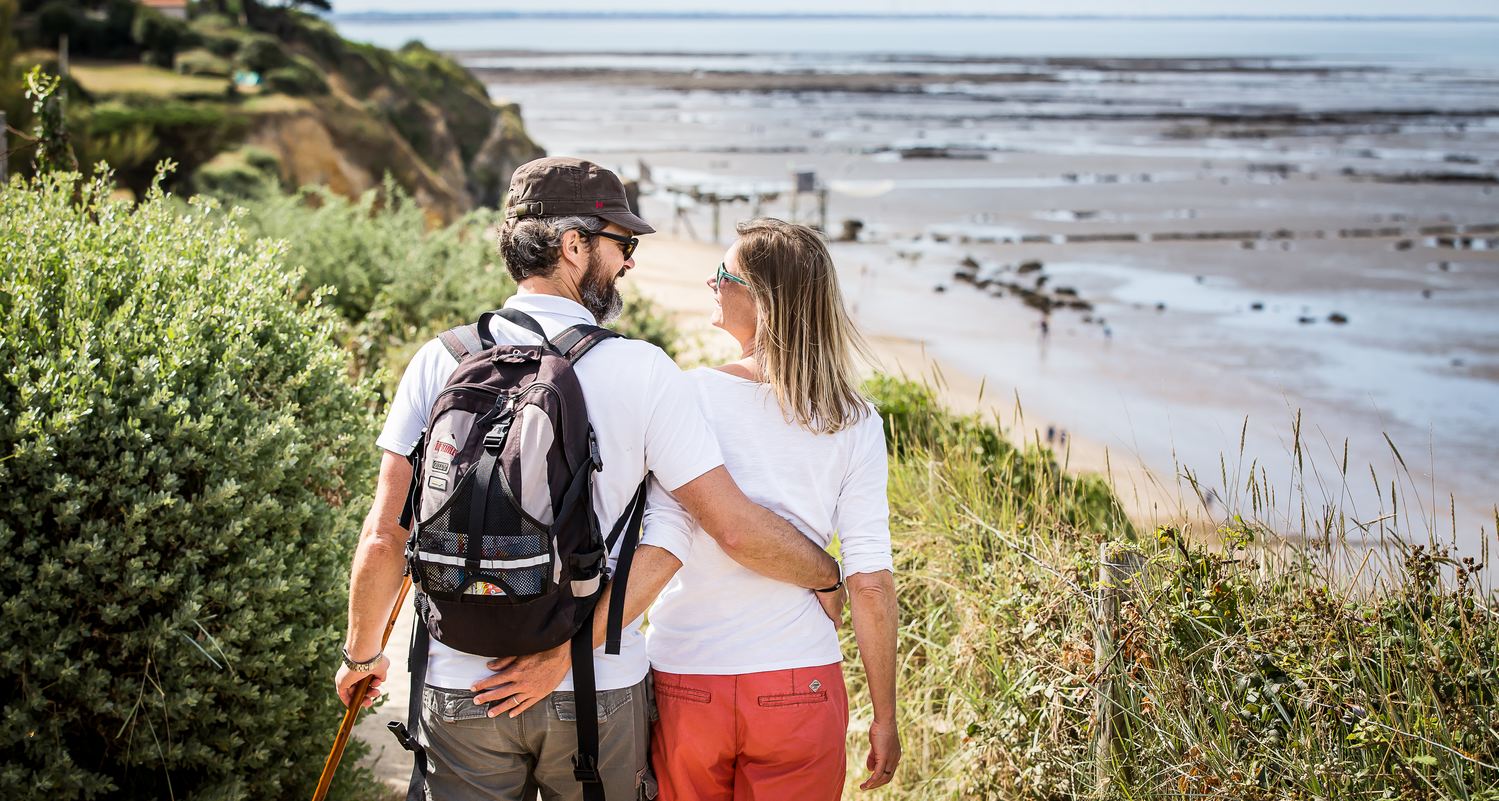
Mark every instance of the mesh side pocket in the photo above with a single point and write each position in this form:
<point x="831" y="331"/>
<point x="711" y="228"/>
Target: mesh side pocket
<point x="441" y="533"/>
<point x="442" y="578"/>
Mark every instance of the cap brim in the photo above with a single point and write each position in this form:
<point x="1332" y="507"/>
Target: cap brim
<point x="628" y="220"/>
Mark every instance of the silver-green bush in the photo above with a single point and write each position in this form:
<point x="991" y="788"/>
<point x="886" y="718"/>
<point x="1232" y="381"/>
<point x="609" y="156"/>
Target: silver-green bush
<point x="181" y="454"/>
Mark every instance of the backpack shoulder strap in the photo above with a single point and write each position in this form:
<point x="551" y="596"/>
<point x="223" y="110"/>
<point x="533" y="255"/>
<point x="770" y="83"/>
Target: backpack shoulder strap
<point x="627" y="526"/>
<point x="518" y="317"/>
<point x="462" y="341"/>
<point x="407" y="734"/>
<point x="575" y="342"/>
<point x="465" y="340"/>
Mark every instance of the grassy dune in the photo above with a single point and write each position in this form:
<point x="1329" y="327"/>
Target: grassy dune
<point x="1241" y="671"/>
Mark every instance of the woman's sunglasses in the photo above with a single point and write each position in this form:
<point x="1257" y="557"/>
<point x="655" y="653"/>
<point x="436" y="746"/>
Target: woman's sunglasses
<point x="723" y="273"/>
<point x="627" y="244"/>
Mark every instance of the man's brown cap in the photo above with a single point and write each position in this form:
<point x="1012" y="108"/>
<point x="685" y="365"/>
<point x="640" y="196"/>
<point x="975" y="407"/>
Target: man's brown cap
<point x="554" y="187"/>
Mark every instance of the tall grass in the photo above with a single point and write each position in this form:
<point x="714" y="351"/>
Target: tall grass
<point x="1257" y="667"/>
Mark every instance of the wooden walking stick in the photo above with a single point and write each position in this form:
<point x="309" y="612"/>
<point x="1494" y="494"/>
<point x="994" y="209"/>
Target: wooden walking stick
<point x="356" y="702"/>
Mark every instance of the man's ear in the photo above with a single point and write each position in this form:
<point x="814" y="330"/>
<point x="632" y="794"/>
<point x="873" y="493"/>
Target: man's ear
<point x="574" y="246"/>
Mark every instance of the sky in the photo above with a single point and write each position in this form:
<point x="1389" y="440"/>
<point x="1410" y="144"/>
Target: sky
<point x="1141" y="7"/>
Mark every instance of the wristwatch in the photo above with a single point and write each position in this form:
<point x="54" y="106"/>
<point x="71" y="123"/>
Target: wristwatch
<point x="834" y="588"/>
<point x="361" y="667"/>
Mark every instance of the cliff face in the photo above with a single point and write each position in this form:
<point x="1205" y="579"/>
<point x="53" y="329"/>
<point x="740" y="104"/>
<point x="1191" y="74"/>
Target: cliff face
<point x="413" y="113"/>
<point x="330" y="111"/>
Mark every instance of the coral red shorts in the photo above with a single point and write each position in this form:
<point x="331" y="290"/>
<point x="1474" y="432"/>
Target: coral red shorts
<point x="751" y="737"/>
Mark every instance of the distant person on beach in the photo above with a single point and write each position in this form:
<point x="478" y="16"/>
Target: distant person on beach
<point x="505" y="729"/>
<point x="747" y="676"/>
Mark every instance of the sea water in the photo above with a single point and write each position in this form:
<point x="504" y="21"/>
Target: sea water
<point x="1457" y="42"/>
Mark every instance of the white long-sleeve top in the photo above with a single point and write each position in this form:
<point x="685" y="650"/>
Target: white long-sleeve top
<point x="716" y="617"/>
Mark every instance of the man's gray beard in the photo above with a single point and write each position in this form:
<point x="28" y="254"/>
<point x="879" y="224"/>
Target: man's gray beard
<point x="599" y="293"/>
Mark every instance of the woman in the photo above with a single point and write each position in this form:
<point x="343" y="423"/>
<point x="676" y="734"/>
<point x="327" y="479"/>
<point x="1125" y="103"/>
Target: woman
<point x="746" y="668"/>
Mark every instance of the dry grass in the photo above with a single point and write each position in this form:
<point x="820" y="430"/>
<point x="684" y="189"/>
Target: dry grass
<point x="106" y="78"/>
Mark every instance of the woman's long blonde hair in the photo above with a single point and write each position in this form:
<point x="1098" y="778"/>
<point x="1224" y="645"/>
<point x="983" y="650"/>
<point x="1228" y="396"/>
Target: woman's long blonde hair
<point x="804" y="338"/>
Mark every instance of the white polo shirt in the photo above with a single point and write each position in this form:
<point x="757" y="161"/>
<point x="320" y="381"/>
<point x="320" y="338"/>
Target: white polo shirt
<point x="647" y="418"/>
<point x="717" y="617"/>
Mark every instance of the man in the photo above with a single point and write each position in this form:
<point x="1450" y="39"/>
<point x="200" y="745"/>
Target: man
<point x="567" y="239"/>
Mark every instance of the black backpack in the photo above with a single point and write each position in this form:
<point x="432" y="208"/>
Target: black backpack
<point x="506" y="554"/>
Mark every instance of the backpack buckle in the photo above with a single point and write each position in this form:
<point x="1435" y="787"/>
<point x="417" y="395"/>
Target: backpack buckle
<point x="495" y="439"/>
<point x="593" y="451"/>
<point x="586" y="770"/>
<point x="411" y="548"/>
<point x="585" y="566"/>
<point x="403" y="736"/>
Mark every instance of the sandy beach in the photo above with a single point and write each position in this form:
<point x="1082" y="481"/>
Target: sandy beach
<point x="672" y="272"/>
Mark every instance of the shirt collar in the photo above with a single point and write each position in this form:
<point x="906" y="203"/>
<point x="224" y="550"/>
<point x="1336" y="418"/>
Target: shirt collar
<point x="536" y="303"/>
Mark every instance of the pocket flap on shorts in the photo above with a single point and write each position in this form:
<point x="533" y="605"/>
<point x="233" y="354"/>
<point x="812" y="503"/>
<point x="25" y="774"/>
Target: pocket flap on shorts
<point x="793" y="699"/>
<point x="452" y="706"/>
<point x="609" y="701"/>
<point x="683" y="693"/>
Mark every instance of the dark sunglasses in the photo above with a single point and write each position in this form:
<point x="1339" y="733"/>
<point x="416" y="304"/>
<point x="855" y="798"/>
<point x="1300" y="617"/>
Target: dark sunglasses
<point x="627" y="244"/>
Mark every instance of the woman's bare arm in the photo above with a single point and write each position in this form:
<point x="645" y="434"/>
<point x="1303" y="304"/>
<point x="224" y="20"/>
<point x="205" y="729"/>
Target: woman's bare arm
<point x="876" y="619"/>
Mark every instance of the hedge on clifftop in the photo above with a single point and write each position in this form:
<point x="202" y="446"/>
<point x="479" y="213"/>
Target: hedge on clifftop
<point x="182" y="458"/>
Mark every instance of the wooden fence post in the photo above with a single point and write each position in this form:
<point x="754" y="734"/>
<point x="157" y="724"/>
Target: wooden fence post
<point x="1118" y="564"/>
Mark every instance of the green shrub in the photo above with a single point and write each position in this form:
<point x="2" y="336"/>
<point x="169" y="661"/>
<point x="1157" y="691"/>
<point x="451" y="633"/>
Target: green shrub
<point x="261" y="53"/>
<point x="201" y="61"/>
<point x="261" y="159"/>
<point x="99" y="32"/>
<point x="218" y="34"/>
<point x="189" y="133"/>
<point x="159" y="36"/>
<point x="129" y="150"/>
<point x="916" y="424"/>
<point x="299" y="77"/>
<point x="184" y="463"/>
<point x="463" y="98"/>
<point x="234" y="175"/>
<point x="398" y="282"/>
<point x="916" y="420"/>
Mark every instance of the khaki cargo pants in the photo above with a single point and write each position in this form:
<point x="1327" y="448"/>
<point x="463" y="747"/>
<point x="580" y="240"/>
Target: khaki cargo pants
<point x="472" y="757"/>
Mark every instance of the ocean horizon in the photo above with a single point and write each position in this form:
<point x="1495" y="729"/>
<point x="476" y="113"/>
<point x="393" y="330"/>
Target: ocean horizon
<point x="1466" y="41"/>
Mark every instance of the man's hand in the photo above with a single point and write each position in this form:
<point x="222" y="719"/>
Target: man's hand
<point x="520" y="681"/>
<point x="832" y="603"/>
<point x="345" y="680"/>
<point x="884" y="755"/>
